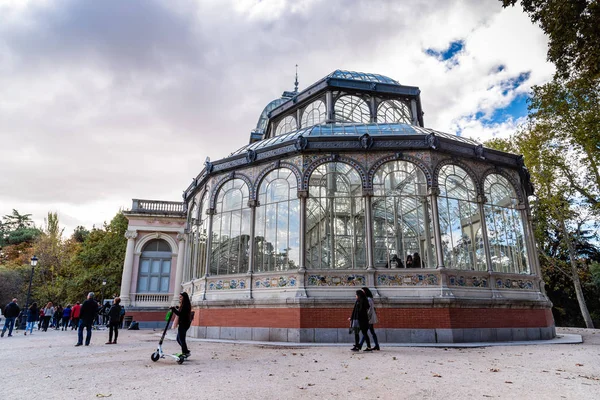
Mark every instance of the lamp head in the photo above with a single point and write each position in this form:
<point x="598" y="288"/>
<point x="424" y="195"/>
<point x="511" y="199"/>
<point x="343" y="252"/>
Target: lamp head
<point x="34" y="261"/>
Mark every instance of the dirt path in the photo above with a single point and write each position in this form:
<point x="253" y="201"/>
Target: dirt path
<point x="48" y="365"/>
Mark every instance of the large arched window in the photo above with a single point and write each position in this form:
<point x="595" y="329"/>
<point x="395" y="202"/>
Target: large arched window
<point x="199" y="237"/>
<point x="277" y="230"/>
<point x="314" y="114"/>
<point x="504" y="226"/>
<point x="286" y="125"/>
<point x="460" y="222"/>
<point x="335" y="229"/>
<point x="402" y="223"/>
<point x="352" y="109"/>
<point x="393" y="111"/>
<point x="155" y="267"/>
<point x="231" y="230"/>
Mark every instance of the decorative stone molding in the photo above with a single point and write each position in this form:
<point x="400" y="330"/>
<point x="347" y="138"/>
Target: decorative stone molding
<point x="465" y="280"/>
<point x="228" y="284"/>
<point x="407" y="279"/>
<point x="181" y="237"/>
<point x="280" y="281"/>
<point x="337" y="280"/>
<point x="131" y="234"/>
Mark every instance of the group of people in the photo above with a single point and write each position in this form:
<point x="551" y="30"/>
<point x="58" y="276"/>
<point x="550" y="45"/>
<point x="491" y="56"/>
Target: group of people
<point x="79" y="316"/>
<point x="362" y="320"/>
<point x="412" y="261"/>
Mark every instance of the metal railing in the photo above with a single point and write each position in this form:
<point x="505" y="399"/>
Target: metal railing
<point x="157" y="207"/>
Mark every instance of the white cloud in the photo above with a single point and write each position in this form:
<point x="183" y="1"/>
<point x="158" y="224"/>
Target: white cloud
<point x="105" y="101"/>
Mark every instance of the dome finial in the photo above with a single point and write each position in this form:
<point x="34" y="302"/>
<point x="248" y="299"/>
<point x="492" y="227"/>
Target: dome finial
<point x="296" y="82"/>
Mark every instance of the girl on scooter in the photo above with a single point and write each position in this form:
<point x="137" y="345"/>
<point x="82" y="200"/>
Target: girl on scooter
<point x="184" y="312"/>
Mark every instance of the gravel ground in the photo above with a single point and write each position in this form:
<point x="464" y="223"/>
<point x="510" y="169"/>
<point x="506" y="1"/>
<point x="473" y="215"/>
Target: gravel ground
<point x="47" y="364"/>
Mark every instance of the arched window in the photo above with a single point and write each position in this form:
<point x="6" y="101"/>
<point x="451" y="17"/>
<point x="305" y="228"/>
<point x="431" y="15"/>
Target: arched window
<point x="460" y="223"/>
<point x="155" y="267"/>
<point x="313" y="114"/>
<point x="191" y="249"/>
<point x="231" y="229"/>
<point x="504" y="226"/>
<point x="288" y="124"/>
<point x="402" y="223"/>
<point x="352" y="109"/>
<point x="335" y="229"/>
<point x="393" y="111"/>
<point x="198" y="242"/>
<point x="277" y="231"/>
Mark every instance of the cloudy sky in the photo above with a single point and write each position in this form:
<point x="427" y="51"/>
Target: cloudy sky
<point x="105" y="101"/>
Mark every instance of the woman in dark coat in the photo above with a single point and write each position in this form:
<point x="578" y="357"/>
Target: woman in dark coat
<point x="361" y="314"/>
<point x="184" y="312"/>
<point x="114" y="320"/>
<point x="33" y="314"/>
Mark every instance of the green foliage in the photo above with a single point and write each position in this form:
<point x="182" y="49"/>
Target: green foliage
<point x="573" y="31"/>
<point x="80" y="234"/>
<point x="12" y="281"/>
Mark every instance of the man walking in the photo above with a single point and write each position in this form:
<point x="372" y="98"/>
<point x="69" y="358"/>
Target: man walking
<point x="88" y="312"/>
<point x="75" y="311"/>
<point x="11" y="312"/>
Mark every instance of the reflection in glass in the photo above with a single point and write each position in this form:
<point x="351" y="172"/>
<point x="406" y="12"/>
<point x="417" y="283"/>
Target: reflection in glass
<point x="335" y="230"/>
<point x="277" y="230"/>
<point x="352" y="109"/>
<point x="313" y="114"/>
<point x="402" y="223"/>
<point x="155" y="267"/>
<point x="286" y="125"/>
<point x="504" y="226"/>
<point x="393" y="111"/>
<point x="231" y="229"/>
<point x="460" y="223"/>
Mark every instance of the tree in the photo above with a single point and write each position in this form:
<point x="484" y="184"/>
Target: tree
<point x="573" y="31"/>
<point x="17" y="220"/>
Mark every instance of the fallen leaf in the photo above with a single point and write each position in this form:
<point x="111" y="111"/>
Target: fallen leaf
<point x="437" y="376"/>
<point x="494" y="370"/>
<point x="311" y="384"/>
<point x="103" y="395"/>
<point x="579" y="365"/>
<point x="507" y="382"/>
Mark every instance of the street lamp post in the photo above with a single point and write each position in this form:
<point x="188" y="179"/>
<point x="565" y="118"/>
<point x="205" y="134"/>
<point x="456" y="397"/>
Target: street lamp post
<point x="23" y="321"/>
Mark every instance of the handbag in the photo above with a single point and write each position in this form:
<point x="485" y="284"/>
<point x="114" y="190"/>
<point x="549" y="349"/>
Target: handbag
<point x="354" y="326"/>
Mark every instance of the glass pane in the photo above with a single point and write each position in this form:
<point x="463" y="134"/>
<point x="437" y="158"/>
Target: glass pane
<point x="155" y="267"/>
<point x="166" y="267"/>
<point x="153" y="284"/>
<point x="164" y="284"/>
<point x="143" y="284"/>
<point x="144" y="266"/>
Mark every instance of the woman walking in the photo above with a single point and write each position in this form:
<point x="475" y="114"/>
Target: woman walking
<point x="360" y="313"/>
<point x="372" y="318"/>
<point x="184" y="312"/>
<point x="114" y="320"/>
<point x="48" y="313"/>
<point x="32" y="316"/>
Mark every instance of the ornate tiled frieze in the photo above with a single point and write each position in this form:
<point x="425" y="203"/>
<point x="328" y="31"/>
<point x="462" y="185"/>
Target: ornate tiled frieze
<point x="228" y="284"/>
<point x="468" y="281"/>
<point x="336" y="280"/>
<point x="395" y="279"/>
<point x="507" y="283"/>
<point x="275" y="282"/>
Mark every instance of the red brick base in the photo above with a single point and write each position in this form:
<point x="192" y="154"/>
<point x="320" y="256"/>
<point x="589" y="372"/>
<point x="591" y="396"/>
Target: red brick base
<point x="395" y="318"/>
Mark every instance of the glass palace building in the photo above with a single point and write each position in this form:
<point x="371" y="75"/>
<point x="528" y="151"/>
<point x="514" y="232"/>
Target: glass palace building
<point x="341" y="186"/>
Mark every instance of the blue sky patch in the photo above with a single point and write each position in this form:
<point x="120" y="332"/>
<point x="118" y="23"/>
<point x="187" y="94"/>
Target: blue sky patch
<point x="513" y="83"/>
<point x="444" y="55"/>
<point x="516" y="109"/>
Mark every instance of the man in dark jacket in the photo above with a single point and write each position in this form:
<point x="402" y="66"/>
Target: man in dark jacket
<point x="11" y="312"/>
<point x="88" y="312"/>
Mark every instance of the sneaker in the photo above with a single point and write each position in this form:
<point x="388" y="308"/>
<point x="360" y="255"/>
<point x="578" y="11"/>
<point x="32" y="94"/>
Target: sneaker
<point x="2" y="335"/>
<point x="186" y="355"/>
<point x="25" y="333"/>
<point x="9" y="335"/>
<point x="108" y="343"/>
<point x="355" y="349"/>
<point x="376" y="348"/>
<point x="368" y="349"/>
<point x="78" y="344"/>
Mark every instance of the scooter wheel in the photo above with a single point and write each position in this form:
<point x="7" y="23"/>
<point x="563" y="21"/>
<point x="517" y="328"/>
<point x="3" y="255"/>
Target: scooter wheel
<point x="155" y="356"/>
<point x="180" y="360"/>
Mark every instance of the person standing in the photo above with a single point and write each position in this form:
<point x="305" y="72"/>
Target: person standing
<point x="11" y="312"/>
<point x="114" y="320"/>
<point x="372" y="318"/>
<point x="48" y="313"/>
<point x="75" y="316"/>
<point x="87" y="315"/>
<point x="33" y="314"/>
<point x="409" y="261"/>
<point x="41" y="318"/>
<point x="360" y="313"/>
<point x="57" y="317"/>
<point x="184" y="312"/>
<point x="417" y="260"/>
<point x="65" y="318"/>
